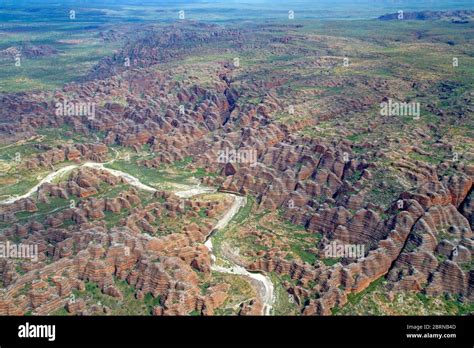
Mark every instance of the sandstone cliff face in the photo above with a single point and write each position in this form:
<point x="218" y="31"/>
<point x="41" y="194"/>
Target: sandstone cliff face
<point x="334" y="283"/>
<point x="76" y="153"/>
<point x="467" y="208"/>
<point x="165" y="266"/>
<point x="7" y="212"/>
<point x="104" y="255"/>
<point x="421" y="248"/>
<point x="289" y="174"/>
<point x="326" y="185"/>
<point x="438" y="245"/>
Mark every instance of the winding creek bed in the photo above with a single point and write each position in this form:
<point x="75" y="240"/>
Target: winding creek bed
<point x="265" y="288"/>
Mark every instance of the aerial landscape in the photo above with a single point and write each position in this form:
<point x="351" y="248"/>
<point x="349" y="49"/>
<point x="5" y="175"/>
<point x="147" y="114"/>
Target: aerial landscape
<point x="213" y="158"/>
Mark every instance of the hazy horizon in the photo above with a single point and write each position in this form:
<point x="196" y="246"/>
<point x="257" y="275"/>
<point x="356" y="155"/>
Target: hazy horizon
<point x="221" y="10"/>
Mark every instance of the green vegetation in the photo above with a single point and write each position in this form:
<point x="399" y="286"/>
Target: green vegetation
<point x="239" y="291"/>
<point x="331" y="262"/>
<point x="300" y="64"/>
<point x="244" y="213"/>
<point x="44" y="209"/>
<point x="284" y="302"/>
<point x="129" y="305"/>
<point x="163" y="177"/>
<point x="374" y="300"/>
<point x="432" y="159"/>
<point x="74" y="57"/>
<point x="385" y="188"/>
